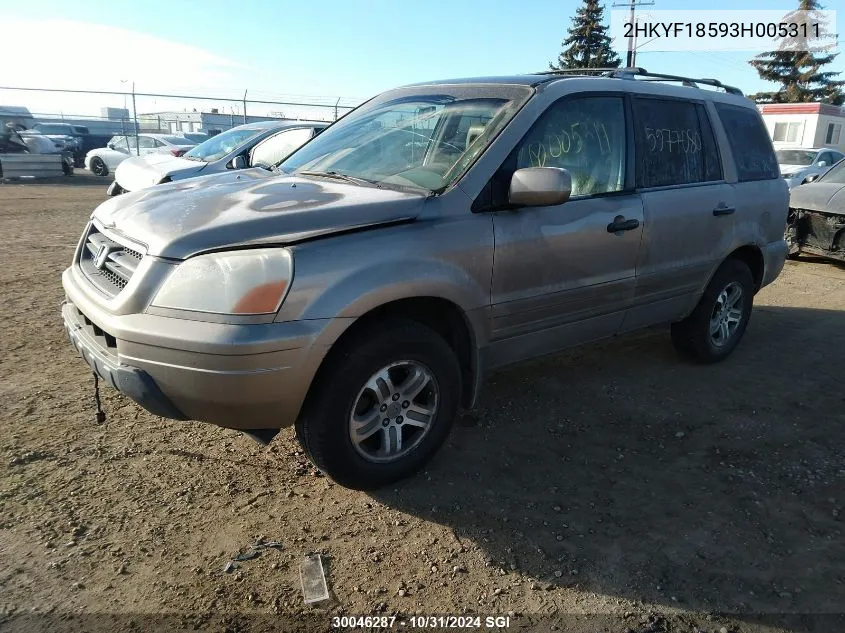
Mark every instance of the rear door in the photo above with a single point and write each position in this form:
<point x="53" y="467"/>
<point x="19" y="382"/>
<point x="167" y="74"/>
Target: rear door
<point x="689" y="209"/>
<point x="561" y="275"/>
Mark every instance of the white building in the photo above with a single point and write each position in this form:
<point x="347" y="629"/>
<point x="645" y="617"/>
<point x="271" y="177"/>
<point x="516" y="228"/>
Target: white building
<point x="805" y="124"/>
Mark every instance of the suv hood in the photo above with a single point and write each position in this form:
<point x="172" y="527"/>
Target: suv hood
<point x="139" y="172"/>
<point x="246" y="208"/>
<point x="819" y="196"/>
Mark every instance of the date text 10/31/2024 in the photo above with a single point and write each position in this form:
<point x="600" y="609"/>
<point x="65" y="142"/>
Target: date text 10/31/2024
<point x="421" y="622"/>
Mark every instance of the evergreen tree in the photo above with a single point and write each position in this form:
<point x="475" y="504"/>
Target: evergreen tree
<point x="799" y="71"/>
<point x="588" y="44"/>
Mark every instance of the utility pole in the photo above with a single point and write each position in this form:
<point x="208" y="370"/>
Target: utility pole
<point x="632" y="51"/>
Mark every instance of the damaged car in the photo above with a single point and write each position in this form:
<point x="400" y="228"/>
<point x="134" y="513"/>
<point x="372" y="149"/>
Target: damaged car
<point x="361" y="289"/>
<point x="816" y="221"/>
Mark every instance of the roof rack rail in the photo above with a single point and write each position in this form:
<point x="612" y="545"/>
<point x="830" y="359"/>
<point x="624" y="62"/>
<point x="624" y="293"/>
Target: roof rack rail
<point x="635" y="71"/>
<point x="582" y="71"/>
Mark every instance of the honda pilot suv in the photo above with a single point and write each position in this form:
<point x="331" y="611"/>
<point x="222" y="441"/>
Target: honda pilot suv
<point x="362" y="289"/>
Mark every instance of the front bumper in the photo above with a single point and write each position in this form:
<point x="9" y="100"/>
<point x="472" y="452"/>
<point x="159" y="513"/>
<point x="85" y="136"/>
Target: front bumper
<point x="94" y="349"/>
<point x="245" y="377"/>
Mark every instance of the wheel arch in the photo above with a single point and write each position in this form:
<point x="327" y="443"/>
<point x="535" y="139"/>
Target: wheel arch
<point x="752" y="256"/>
<point x="442" y="315"/>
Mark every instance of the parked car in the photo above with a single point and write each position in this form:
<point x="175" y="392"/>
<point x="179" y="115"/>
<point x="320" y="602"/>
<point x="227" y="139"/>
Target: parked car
<point x="104" y="160"/>
<point x="42" y="144"/>
<point x="265" y="143"/>
<point x="68" y="137"/>
<point x="816" y="221"/>
<point x="800" y="165"/>
<point x="62" y="134"/>
<point x="13" y="140"/>
<point x="364" y="289"/>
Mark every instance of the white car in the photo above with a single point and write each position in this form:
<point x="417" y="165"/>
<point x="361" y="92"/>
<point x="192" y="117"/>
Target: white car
<point x="261" y="144"/>
<point x="800" y="165"/>
<point x="103" y="160"/>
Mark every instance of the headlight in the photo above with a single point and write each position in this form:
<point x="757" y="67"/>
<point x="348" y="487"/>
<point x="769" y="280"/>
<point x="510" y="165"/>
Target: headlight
<point x="239" y="282"/>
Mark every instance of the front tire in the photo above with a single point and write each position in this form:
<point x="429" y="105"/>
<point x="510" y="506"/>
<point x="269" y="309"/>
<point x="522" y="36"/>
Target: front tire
<point x="717" y="324"/>
<point x="98" y="167"/>
<point x="382" y="406"/>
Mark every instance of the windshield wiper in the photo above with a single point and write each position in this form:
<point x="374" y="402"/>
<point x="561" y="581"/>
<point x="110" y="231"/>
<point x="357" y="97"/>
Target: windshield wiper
<point x="338" y="176"/>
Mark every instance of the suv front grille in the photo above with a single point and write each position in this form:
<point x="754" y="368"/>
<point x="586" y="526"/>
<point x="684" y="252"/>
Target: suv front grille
<point x="107" y="264"/>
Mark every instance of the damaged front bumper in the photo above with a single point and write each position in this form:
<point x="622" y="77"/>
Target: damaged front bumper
<point x="816" y="233"/>
<point x="93" y="345"/>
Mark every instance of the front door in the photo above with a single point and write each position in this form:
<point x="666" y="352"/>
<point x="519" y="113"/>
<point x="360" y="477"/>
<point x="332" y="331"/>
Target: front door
<point x="565" y="274"/>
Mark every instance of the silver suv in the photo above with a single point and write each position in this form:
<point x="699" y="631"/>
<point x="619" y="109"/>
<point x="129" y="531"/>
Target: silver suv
<point x="363" y="289"/>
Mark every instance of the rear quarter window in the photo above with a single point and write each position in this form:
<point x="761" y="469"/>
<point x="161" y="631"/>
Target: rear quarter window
<point x="750" y="144"/>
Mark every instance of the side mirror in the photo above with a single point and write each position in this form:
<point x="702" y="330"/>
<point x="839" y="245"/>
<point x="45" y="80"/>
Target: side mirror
<point x="822" y="163"/>
<point x="238" y="162"/>
<point x="110" y="145"/>
<point x="540" y="187"/>
<point x="810" y="178"/>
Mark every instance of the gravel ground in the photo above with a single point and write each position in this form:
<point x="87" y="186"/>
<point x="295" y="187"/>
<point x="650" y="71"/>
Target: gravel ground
<point x="610" y="488"/>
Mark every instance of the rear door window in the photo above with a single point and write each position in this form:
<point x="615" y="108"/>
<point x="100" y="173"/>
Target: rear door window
<point x="675" y="143"/>
<point x="750" y="143"/>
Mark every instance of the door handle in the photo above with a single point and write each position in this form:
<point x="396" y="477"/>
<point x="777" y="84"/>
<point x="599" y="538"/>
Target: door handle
<point x="723" y="210"/>
<point x="620" y="225"/>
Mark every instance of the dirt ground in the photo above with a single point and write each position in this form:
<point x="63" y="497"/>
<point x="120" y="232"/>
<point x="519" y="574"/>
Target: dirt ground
<point x="612" y="488"/>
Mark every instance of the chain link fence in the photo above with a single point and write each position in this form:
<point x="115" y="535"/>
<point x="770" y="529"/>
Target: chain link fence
<point x="108" y="113"/>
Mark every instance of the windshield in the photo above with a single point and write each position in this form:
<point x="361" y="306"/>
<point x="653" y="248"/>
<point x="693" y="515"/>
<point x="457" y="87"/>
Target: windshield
<point x="424" y="137"/>
<point x="836" y="174"/>
<point x="222" y="144"/>
<point x="795" y="157"/>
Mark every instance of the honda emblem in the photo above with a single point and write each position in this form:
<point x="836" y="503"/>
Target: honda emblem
<point x="102" y="256"/>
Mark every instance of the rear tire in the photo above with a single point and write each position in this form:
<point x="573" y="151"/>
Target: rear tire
<point x="98" y="167"/>
<point x="422" y="374"/>
<point x="717" y="324"/>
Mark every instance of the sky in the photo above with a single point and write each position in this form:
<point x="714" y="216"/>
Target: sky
<point x="293" y="51"/>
